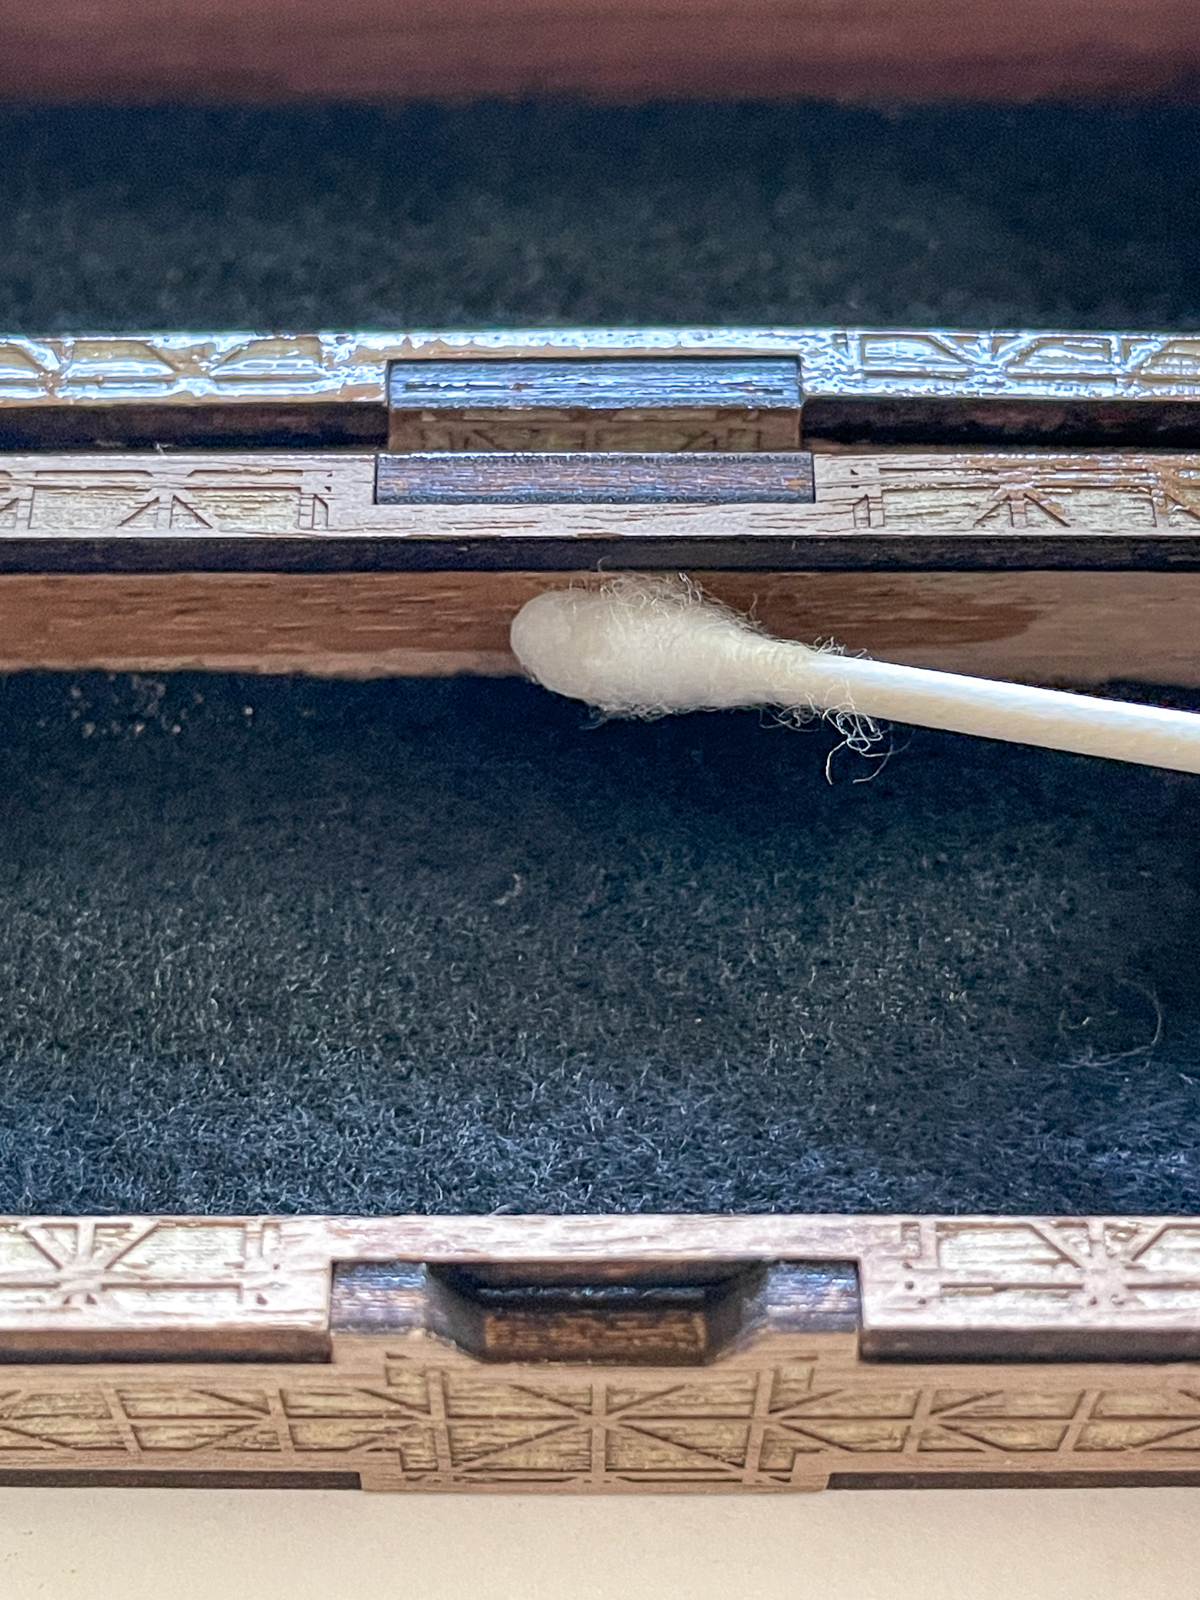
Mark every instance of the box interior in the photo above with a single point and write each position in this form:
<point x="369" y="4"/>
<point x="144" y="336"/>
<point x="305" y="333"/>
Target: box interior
<point x="276" y="944"/>
<point x="544" y="214"/>
<point x="273" y="944"/>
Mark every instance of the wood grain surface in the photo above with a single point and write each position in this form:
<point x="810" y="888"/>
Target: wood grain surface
<point x="264" y="50"/>
<point x="595" y="477"/>
<point x="1043" y="627"/>
<point x="674" y="404"/>
<point x="616" y="383"/>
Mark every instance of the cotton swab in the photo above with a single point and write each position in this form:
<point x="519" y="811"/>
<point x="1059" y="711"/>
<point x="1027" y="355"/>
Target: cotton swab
<point x="646" y="647"/>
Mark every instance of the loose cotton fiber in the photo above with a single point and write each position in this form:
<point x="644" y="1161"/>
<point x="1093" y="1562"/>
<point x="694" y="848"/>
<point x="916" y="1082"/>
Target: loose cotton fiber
<point x="648" y="647"/>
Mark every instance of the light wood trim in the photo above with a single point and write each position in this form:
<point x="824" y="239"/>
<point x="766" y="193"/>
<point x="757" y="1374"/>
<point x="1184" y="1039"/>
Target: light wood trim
<point x="407" y="1409"/>
<point x="138" y="1273"/>
<point x="897" y="510"/>
<point x="1018" y="368"/>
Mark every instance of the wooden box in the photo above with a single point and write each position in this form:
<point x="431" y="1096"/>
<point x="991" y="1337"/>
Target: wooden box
<point x="363" y="505"/>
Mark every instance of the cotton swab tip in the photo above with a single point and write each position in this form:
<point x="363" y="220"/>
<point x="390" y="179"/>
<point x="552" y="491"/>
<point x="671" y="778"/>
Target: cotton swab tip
<point x="646" y="647"/>
<point x="651" y="646"/>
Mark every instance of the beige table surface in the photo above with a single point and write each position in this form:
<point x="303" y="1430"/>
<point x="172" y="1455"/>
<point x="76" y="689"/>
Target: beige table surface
<point x="175" y="1544"/>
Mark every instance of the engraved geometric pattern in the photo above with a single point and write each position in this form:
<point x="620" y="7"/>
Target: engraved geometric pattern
<point x="1118" y="1271"/>
<point x="1051" y="366"/>
<point x="977" y="1272"/>
<point x="992" y="495"/>
<point x="137" y="497"/>
<point x="418" y="1427"/>
<point x="1111" y="1270"/>
<point x="407" y="1409"/>
<point x="96" y="1272"/>
<point x="998" y="494"/>
<point x="187" y="367"/>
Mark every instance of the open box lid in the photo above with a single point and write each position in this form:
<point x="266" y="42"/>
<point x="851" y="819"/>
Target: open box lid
<point x="264" y="50"/>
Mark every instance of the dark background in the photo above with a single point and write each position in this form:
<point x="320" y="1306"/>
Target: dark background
<point x="280" y="945"/>
<point x="533" y="214"/>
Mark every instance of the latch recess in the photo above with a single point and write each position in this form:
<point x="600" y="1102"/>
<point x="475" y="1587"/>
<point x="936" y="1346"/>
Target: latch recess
<point x="615" y="430"/>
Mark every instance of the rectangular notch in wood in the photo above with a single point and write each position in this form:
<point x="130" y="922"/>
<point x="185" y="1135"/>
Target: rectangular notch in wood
<point x="595" y="477"/>
<point x="619" y="1313"/>
<point x="612" y="403"/>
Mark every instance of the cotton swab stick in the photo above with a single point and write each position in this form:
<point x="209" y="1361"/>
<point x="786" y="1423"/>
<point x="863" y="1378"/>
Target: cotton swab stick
<point x="648" y="647"/>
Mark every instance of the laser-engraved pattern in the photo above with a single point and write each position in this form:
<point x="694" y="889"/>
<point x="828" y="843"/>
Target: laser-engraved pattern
<point x="1129" y="1264"/>
<point x="778" y="1428"/>
<point x="858" y="363"/>
<point x="518" y="431"/>
<point x="995" y="493"/>
<point x="991" y="495"/>
<point x="160" y="368"/>
<point x="54" y="1421"/>
<point x="184" y="368"/>
<point x="137" y="496"/>
<point x="1025" y="1273"/>
<point x="96" y="1272"/>
<point x="785" y="1408"/>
